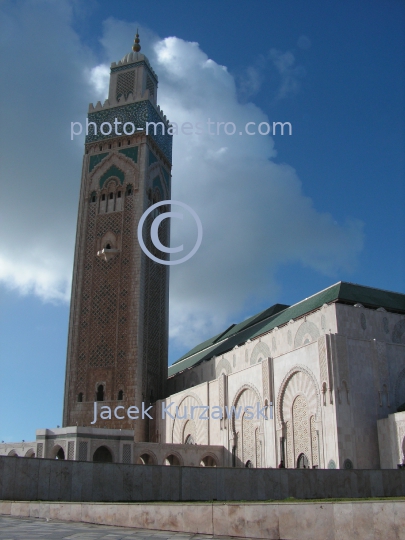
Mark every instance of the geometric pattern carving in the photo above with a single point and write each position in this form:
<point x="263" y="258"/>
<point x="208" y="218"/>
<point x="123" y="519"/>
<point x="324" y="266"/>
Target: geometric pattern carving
<point x="40" y="450"/>
<point x="299" y="380"/>
<point x="246" y="396"/>
<point x="398" y="333"/>
<point x="223" y="364"/>
<point x="301" y="427"/>
<point x="138" y="113"/>
<point x="201" y="426"/>
<point x="265" y="379"/>
<point x="248" y="440"/>
<point x="71" y="450"/>
<point x="150" y="86"/>
<point x="126" y="453"/>
<point x="323" y="365"/>
<point x="260" y="350"/>
<point x="306" y="333"/>
<point x="289" y="436"/>
<point x="83" y="450"/>
<point x="314" y="442"/>
<point x="258" y="443"/>
<point x="125" y="84"/>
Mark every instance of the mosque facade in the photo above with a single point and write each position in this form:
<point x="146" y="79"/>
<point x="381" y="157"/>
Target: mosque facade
<point x="320" y="384"/>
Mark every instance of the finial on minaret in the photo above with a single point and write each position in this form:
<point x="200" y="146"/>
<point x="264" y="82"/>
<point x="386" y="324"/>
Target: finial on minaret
<point x="136" y="47"/>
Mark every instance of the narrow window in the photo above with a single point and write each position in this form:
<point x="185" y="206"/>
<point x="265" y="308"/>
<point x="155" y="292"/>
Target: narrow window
<point x="100" y="148"/>
<point x="100" y="393"/>
<point x="80" y="397"/>
<point x="129" y="191"/>
<point x="109" y="146"/>
<point x="93" y="198"/>
<point x="129" y="142"/>
<point x="111" y="195"/>
<point x="119" y="195"/>
<point x="119" y="144"/>
<point x="108" y="246"/>
<point x="103" y="197"/>
<point x="120" y="395"/>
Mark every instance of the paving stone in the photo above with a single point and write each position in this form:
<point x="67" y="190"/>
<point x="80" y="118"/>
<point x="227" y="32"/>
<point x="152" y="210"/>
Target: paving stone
<point x="12" y="528"/>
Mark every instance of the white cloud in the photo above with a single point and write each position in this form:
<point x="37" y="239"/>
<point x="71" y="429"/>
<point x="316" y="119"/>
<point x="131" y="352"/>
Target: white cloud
<point x="290" y="73"/>
<point x="254" y="212"/>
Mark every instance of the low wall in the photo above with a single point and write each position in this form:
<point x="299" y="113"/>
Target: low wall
<point x="35" y="479"/>
<point x="378" y="520"/>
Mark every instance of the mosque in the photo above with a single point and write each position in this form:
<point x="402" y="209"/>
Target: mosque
<point x="317" y="384"/>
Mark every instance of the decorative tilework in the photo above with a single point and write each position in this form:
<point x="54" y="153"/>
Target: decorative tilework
<point x="95" y="160"/>
<point x="112" y="171"/>
<point x="132" y="153"/>
<point x="166" y="177"/>
<point x="152" y="158"/>
<point x="138" y="113"/>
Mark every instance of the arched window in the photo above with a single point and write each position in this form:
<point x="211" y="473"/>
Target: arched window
<point x="80" y="397"/>
<point x="302" y="462"/>
<point x="120" y="395"/>
<point x="100" y="147"/>
<point x="172" y="460"/>
<point x="100" y="393"/>
<point x="102" y="455"/>
<point x="119" y="195"/>
<point x="249" y="464"/>
<point x="108" y="246"/>
<point x="129" y="190"/>
<point x="111" y="195"/>
<point x="93" y="197"/>
<point x="103" y="197"/>
<point x="208" y="461"/>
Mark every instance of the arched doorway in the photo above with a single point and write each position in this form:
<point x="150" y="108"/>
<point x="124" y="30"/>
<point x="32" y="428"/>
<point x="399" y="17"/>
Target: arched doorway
<point x="302" y="462"/>
<point x="60" y="454"/>
<point x="208" y="461"/>
<point x="172" y="460"/>
<point x="145" y="459"/>
<point x="102" y="455"/>
<point x="57" y="452"/>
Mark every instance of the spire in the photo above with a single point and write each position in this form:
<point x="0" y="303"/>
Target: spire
<point x="136" y="47"/>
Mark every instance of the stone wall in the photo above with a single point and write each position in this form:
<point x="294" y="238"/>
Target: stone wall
<point x="379" y="520"/>
<point x="24" y="479"/>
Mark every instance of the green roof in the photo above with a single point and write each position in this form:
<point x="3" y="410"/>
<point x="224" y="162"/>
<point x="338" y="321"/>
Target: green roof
<point x="280" y="314"/>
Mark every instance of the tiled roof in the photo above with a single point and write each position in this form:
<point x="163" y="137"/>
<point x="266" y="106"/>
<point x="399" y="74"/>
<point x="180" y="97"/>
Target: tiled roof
<point x="280" y="314"/>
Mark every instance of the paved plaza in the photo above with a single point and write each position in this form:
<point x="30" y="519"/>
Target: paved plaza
<point x="12" y="528"/>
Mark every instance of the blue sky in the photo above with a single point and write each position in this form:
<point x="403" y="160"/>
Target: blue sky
<point x="283" y="217"/>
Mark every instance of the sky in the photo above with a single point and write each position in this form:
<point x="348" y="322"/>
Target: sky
<point x="284" y="216"/>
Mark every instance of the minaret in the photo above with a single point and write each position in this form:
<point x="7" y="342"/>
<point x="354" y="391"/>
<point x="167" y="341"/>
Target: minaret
<point x="118" y="326"/>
